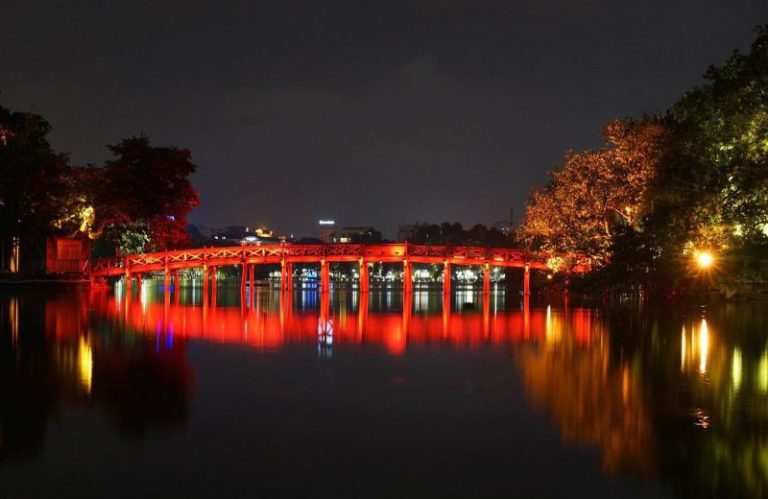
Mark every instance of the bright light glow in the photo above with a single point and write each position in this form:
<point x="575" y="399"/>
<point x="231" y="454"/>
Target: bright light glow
<point x="683" y="342"/>
<point x="85" y="363"/>
<point x="703" y="346"/>
<point x="736" y="368"/>
<point x="704" y="259"/>
<point x="326" y="222"/>
<point x="762" y="372"/>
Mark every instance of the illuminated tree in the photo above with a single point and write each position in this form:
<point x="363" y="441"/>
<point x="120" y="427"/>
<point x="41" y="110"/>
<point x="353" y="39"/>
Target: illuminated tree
<point x="144" y="194"/>
<point x="713" y="191"/>
<point x="595" y="193"/>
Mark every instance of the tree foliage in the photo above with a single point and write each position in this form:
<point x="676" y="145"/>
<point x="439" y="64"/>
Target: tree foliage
<point x="141" y="197"/>
<point x="32" y="179"/>
<point x="664" y="189"/>
<point x="597" y="193"/>
<point x="712" y="193"/>
<point x="152" y="188"/>
<point x="454" y="234"/>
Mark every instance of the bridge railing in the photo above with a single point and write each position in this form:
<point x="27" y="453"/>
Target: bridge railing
<point x="188" y="258"/>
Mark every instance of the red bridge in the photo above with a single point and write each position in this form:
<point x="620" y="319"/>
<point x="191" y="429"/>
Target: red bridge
<point x="286" y="255"/>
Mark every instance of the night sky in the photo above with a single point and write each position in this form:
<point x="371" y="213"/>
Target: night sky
<point x="372" y="113"/>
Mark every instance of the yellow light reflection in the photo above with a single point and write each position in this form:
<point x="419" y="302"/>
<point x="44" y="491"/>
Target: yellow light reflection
<point x="703" y="346"/>
<point x="85" y="363"/>
<point x="13" y="316"/>
<point x="736" y="368"/>
<point x="554" y="327"/>
<point x="762" y="372"/>
<point x="683" y="350"/>
<point x="144" y="297"/>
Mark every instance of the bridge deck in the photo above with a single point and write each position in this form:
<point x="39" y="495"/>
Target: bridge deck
<point x="320" y="254"/>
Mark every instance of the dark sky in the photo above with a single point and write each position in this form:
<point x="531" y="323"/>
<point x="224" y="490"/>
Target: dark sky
<point x="368" y="112"/>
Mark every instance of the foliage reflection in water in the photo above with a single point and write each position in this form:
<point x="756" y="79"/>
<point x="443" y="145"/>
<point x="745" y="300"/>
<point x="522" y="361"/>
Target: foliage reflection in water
<point x="676" y="397"/>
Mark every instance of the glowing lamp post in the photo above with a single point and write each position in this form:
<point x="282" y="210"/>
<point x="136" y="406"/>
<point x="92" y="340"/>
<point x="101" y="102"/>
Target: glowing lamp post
<point x="704" y="259"/>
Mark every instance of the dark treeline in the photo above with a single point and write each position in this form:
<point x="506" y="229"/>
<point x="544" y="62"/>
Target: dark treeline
<point x="137" y="200"/>
<point x="456" y="235"/>
<point x="669" y="194"/>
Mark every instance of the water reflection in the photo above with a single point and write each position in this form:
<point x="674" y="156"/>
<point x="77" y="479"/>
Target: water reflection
<point x="676" y="396"/>
<point x="54" y="358"/>
<point x="592" y="399"/>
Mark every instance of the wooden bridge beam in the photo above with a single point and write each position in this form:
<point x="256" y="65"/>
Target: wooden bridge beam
<point x="486" y="279"/>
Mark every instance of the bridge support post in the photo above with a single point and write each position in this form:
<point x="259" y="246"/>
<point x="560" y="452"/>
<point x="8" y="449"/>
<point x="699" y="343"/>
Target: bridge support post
<point x="286" y="275"/>
<point x="139" y="282"/>
<point x="127" y="280"/>
<point x="407" y="277"/>
<point x="166" y="280"/>
<point x="364" y="279"/>
<point x="289" y="276"/>
<point x="206" y="276"/>
<point x="251" y="277"/>
<point x="447" y="278"/>
<point x="325" y="276"/>
<point x="527" y="281"/>
<point x="486" y="279"/>
<point x="243" y="278"/>
<point x="214" y="285"/>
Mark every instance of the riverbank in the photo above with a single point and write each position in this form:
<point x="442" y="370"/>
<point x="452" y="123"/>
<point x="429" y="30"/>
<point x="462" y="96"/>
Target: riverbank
<point x="47" y="281"/>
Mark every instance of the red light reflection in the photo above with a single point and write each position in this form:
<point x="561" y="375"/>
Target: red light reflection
<point x="272" y="328"/>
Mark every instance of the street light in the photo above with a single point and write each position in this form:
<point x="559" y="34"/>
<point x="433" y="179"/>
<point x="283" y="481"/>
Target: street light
<point x="704" y="259"/>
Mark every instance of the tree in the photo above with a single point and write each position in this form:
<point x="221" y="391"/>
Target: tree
<point x="144" y="193"/>
<point x="712" y="193"/>
<point x="597" y="193"/>
<point x="32" y="184"/>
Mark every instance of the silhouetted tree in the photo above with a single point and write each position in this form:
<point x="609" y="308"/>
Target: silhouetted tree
<point x="32" y="182"/>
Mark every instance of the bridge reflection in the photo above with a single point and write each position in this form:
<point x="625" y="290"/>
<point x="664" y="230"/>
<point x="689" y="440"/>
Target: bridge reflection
<point x="271" y="320"/>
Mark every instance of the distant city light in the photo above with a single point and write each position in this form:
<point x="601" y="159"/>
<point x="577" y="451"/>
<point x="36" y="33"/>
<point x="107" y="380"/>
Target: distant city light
<point x="326" y="222"/>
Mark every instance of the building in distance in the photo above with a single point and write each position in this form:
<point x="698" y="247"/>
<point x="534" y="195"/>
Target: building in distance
<point x="330" y="233"/>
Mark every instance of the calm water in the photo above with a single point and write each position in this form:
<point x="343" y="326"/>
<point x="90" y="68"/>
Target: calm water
<point x="103" y="395"/>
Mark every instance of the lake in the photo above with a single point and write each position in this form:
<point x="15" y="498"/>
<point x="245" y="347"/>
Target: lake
<point x="303" y="394"/>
